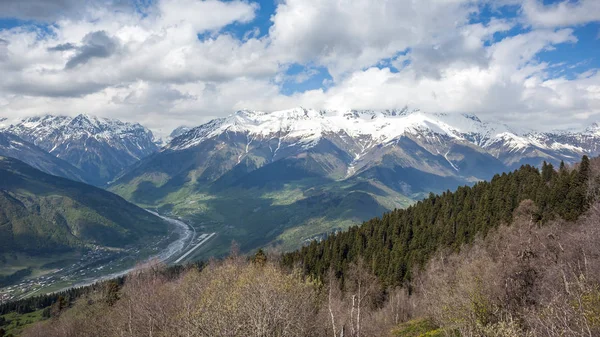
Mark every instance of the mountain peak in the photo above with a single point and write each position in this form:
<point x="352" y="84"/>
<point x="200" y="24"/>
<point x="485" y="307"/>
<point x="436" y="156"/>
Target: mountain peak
<point x="594" y="128"/>
<point x="472" y="117"/>
<point x="178" y="131"/>
<point x="307" y="126"/>
<point x="80" y="139"/>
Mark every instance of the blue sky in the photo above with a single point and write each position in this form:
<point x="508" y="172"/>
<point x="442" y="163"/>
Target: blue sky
<point x="172" y="62"/>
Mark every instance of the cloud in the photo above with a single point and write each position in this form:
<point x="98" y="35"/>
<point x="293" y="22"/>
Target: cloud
<point x="564" y="13"/>
<point x="143" y="61"/>
<point x="204" y="15"/>
<point x="122" y="47"/>
<point x="462" y="48"/>
<point x="348" y="35"/>
<point x="62" y="47"/>
<point x="51" y="10"/>
<point x="3" y="49"/>
<point x="513" y="87"/>
<point x="95" y="45"/>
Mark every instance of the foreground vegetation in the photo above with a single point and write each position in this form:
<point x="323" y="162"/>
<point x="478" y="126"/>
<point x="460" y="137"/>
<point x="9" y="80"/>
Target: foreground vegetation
<point x="531" y="269"/>
<point x="522" y="280"/>
<point x="405" y="239"/>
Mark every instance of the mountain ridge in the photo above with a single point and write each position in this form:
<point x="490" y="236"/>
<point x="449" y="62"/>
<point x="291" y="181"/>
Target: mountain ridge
<point x="15" y="147"/>
<point x="100" y="147"/>
<point x="371" y="128"/>
<point x="307" y="158"/>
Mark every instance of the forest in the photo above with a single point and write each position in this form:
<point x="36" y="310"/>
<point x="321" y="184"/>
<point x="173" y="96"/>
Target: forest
<point x="398" y="242"/>
<point x="516" y="256"/>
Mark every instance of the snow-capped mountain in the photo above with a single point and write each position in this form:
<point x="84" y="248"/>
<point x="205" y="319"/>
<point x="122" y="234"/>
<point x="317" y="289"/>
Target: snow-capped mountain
<point x="15" y="147"/>
<point x="178" y="132"/>
<point x="363" y="131"/>
<point x="100" y="147"/>
<point x="314" y="170"/>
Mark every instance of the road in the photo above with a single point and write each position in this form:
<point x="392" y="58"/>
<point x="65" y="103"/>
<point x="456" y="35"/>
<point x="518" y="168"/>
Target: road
<point x="203" y="238"/>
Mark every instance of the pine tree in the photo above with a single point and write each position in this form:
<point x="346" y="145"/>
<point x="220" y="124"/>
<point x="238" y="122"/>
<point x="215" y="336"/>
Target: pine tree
<point x="404" y="239"/>
<point x="547" y="172"/>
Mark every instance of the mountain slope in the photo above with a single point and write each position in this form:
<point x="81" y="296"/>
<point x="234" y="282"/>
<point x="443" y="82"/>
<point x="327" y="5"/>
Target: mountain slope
<point x="100" y="147"/>
<point x="41" y="213"/>
<point x="404" y="239"/>
<point x="13" y="146"/>
<point x="303" y="159"/>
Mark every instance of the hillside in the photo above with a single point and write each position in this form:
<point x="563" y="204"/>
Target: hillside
<point x="298" y="174"/>
<point x="405" y="239"/>
<point x="45" y="214"/>
<point x="539" y="276"/>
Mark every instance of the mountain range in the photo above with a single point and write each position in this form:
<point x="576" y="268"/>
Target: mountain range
<point x="101" y="148"/>
<point x="287" y="176"/>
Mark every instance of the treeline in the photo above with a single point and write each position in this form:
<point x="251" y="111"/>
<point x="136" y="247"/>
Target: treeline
<point x="393" y="245"/>
<point x="521" y="280"/>
<point x="447" y="262"/>
<point x="236" y="297"/>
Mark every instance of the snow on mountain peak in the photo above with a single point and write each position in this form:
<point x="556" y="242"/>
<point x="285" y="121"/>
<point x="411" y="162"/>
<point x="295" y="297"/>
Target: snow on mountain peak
<point x="80" y="125"/>
<point x="309" y="125"/>
<point x="593" y="129"/>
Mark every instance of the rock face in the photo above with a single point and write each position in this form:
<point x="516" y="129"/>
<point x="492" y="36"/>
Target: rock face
<point x="331" y="167"/>
<point x="100" y="147"/>
<point x="15" y="147"/>
<point x="365" y="136"/>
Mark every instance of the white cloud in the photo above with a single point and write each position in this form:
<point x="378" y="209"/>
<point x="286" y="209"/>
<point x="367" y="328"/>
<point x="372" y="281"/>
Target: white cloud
<point x="564" y="13"/>
<point x="349" y="35"/>
<point x="513" y="86"/>
<point x="203" y="15"/>
<point x="149" y="66"/>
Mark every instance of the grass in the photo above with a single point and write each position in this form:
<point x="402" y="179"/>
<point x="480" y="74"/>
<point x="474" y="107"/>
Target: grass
<point x="15" y="323"/>
<point x="39" y="264"/>
<point x="282" y="216"/>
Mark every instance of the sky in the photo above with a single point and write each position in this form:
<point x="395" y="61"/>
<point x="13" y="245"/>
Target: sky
<point x="167" y="63"/>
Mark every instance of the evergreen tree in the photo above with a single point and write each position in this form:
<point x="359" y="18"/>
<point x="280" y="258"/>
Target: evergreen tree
<point x="547" y="172"/>
<point x="404" y="239"/>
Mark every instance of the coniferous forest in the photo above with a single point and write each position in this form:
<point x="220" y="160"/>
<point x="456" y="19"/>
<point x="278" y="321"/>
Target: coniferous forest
<point x="403" y="239"/>
<point x="515" y="256"/>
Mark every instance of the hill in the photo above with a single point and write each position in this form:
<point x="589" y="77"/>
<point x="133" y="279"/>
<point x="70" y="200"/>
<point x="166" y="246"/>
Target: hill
<point x="538" y="276"/>
<point x="405" y="239"/>
<point x="42" y="214"/>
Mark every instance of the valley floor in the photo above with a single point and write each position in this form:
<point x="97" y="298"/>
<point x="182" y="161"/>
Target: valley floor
<point x="51" y="274"/>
